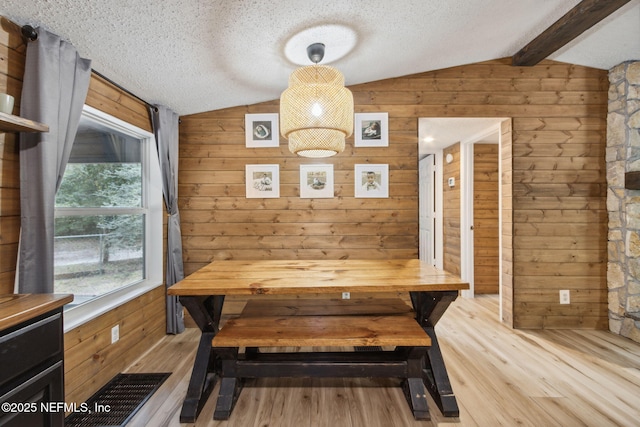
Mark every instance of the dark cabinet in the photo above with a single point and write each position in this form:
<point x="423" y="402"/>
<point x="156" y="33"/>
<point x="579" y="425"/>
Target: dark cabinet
<point x="32" y="371"/>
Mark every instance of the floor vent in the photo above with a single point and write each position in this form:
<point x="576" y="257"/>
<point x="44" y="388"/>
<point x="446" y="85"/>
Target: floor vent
<point x="117" y="402"/>
<point x="366" y="348"/>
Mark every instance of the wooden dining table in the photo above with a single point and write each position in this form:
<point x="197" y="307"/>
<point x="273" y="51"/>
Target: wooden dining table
<point x="203" y="293"/>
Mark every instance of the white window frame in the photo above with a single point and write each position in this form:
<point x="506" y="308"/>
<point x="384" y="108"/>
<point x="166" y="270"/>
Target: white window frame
<point x="152" y="207"/>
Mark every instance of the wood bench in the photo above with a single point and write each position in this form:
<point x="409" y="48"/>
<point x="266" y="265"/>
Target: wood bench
<point x="320" y="323"/>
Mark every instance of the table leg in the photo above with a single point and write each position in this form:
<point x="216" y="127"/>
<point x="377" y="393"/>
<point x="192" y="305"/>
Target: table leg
<point x="206" y="313"/>
<point x="429" y="307"/>
<point x="437" y="380"/>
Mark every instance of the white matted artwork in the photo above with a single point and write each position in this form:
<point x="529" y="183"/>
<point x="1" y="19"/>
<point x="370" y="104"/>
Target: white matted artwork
<point x="261" y="130"/>
<point x="316" y="181"/>
<point x="371" y="130"/>
<point x="262" y="181"/>
<point x="372" y="181"/>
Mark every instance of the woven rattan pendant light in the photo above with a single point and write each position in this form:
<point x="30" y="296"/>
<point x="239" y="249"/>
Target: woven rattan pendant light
<point x="316" y="110"/>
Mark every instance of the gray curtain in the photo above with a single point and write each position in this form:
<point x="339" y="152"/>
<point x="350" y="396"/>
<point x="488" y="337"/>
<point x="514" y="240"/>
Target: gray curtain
<point x="56" y="82"/>
<point x="165" y="128"/>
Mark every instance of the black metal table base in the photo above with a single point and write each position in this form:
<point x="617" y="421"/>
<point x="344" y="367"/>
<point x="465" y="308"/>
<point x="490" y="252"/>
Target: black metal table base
<point x="429" y="307"/>
<point x="206" y="313"/>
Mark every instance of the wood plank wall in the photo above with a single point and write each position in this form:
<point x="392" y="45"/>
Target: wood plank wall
<point x="451" y="211"/>
<point x="90" y="359"/>
<point x="559" y="219"/>
<point x="218" y="222"/>
<point x="486" y="268"/>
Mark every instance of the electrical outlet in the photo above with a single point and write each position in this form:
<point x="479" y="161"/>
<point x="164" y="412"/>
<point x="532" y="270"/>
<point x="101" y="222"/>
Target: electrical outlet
<point x="346" y="295"/>
<point x="564" y="297"/>
<point x="115" y="334"/>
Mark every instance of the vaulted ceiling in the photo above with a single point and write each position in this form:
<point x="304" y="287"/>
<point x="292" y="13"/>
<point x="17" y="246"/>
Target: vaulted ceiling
<point x="202" y="55"/>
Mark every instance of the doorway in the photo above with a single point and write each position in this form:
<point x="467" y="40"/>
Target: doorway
<point x="448" y="145"/>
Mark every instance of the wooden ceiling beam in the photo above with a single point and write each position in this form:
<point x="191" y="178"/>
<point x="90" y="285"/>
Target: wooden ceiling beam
<point x="583" y="16"/>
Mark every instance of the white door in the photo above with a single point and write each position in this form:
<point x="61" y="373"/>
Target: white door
<point x="427" y="207"/>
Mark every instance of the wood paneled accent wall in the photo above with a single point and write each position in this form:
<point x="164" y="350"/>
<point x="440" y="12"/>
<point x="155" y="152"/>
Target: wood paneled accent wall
<point x="486" y="237"/>
<point x="558" y="210"/>
<point x="218" y="222"/>
<point x="90" y="358"/>
<point x="451" y="211"/>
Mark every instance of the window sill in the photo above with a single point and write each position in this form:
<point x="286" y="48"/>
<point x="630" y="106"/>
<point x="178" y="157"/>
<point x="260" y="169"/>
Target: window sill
<point x="83" y="313"/>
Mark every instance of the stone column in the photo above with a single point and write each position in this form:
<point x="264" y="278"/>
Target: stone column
<point x="623" y="206"/>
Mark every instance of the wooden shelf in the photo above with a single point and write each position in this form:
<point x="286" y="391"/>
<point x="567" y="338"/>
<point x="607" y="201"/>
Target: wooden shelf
<point x="11" y="123"/>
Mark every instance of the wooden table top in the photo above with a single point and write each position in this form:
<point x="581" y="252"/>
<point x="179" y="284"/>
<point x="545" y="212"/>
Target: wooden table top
<point x="18" y="308"/>
<point x="320" y="276"/>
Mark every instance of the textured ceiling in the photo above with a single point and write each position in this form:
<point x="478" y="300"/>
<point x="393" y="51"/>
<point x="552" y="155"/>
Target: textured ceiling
<point x="202" y="55"/>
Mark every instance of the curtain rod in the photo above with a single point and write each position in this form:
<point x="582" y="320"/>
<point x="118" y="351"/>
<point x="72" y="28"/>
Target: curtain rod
<point x="31" y="34"/>
<point x="102" y="76"/>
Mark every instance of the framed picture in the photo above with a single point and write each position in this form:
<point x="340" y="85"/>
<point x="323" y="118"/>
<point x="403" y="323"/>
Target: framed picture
<point x="261" y="130"/>
<point x="372" y="181"/>
<point x="371" y="130"/>
<point x="262" y="181"/>
<point x="316" y="181"/>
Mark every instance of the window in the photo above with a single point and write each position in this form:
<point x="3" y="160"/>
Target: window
<point x="108" y="217"/>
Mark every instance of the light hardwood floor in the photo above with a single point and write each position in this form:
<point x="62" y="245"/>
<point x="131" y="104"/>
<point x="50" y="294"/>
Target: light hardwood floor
<point x="501" y="377"/>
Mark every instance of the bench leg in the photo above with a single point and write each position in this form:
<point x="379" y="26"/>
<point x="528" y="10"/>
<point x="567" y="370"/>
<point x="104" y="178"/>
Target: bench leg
<point x="413" y="386"/>
<point x="228" y="395"/>
<point x="416" y="395"/>
<point x="230" y="385"/>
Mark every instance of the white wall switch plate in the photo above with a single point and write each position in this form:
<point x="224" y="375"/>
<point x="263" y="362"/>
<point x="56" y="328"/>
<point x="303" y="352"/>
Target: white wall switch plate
<point x="346" y="295"/>
<point x="565" y="297"/>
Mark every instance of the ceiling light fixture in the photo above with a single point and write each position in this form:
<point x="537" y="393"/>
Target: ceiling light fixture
<point x="316" y="110"/>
